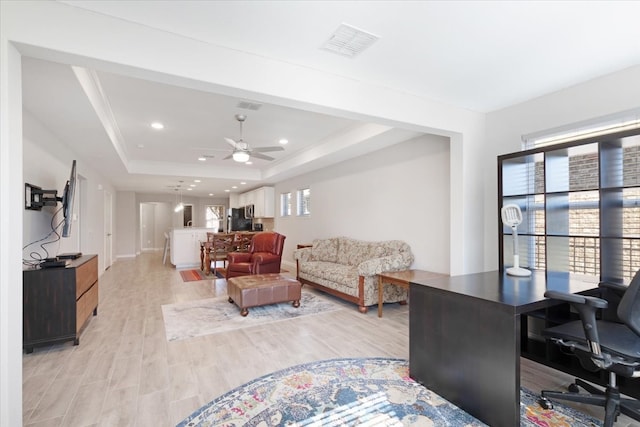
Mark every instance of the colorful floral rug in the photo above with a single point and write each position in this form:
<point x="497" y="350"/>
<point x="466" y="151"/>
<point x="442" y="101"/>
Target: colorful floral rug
<point x="195" y="275"/>
<point x="348" y="392"/>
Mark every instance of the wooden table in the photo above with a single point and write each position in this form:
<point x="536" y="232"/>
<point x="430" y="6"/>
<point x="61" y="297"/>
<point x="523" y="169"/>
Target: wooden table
<point x="402" y="279"/>
<point x="220" y="244"/>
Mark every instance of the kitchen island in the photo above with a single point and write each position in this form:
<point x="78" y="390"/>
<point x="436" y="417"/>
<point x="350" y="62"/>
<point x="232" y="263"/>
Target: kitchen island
<point x="185" y="245"/>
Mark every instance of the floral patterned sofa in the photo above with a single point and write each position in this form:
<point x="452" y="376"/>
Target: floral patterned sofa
<point x="348" y="268"/>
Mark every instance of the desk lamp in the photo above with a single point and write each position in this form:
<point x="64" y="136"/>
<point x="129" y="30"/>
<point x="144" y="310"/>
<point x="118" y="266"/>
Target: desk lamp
<point x="512" y="217"/>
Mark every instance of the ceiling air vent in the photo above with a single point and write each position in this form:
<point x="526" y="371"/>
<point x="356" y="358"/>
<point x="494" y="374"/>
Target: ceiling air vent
<point x="246" y="105"/>
<point x="349" y="41"/>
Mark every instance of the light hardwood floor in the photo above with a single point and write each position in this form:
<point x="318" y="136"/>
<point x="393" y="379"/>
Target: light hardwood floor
<point x="125" y="373"/>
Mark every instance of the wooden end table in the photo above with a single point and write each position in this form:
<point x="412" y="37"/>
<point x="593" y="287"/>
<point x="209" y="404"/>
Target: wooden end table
<point x="402" y="279"/>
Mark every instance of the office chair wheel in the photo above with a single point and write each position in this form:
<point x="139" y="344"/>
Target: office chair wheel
<point x="545" y="403"/>
<point x="573" y="388"/>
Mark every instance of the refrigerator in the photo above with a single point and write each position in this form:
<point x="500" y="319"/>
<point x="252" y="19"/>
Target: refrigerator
<point x="237" y="222"/>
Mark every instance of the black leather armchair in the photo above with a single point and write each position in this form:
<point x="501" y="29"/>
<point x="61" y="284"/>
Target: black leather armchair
<point x="613" y="346"/>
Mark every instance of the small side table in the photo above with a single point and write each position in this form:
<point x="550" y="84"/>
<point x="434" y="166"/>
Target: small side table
<point x="402" y="279"/>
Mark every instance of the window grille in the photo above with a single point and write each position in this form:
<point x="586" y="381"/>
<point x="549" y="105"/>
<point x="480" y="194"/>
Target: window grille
<point x="580" y="203"/>
<point x="213" y="216"/>
<point x="304" y="202"/>
<point x="285" y="204"/>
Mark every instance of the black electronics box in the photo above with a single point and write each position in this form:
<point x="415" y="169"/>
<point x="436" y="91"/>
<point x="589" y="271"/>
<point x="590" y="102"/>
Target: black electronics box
<point x="53" y="263"/>
<point x="70" y="255"/>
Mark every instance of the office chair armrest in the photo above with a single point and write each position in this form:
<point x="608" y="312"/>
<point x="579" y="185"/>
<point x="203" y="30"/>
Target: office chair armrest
<point x="586" y="307"/>
<point x="577" y="299"/>
<point x="616" y="287"/>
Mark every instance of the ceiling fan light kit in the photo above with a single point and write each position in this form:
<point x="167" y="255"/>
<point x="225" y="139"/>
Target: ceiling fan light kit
<point x="240" y="156"/>
<point x="241" y="150"/>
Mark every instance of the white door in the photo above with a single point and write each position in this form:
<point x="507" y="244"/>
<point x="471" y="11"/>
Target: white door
<point x="108" y="229"/>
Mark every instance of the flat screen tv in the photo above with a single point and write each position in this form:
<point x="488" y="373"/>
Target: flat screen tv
<point x="67" y="201"/>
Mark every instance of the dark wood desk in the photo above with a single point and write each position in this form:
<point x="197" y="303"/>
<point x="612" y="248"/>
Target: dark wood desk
<point x="465" y="336"/>
<point x="402" y="279"/>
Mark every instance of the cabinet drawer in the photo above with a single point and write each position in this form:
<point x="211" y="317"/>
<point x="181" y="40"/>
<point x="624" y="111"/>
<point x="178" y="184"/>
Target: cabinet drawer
<point x="86" y="275"/>
<point x="85" y="306"/>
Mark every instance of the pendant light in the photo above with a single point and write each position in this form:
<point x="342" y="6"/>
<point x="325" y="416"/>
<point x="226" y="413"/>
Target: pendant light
<point x="179" y="206"/>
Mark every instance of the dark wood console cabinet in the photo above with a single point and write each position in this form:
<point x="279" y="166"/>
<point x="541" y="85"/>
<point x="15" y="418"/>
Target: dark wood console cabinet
<point x="57" y="302"/>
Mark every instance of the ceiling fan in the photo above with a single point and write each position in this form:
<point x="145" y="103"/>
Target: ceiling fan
<point x="242" y="151"/>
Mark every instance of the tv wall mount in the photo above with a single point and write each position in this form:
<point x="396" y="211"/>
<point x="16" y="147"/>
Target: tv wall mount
<point x="35" y="198"/>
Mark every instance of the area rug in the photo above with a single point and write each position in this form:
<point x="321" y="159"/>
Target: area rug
<point x="195" y="275"/>
<point x="215" y="315"/>
<point x="349" y="392"/>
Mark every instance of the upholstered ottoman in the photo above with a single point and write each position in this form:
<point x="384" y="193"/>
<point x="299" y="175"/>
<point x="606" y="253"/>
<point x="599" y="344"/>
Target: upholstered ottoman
<point x="262" y="289"/>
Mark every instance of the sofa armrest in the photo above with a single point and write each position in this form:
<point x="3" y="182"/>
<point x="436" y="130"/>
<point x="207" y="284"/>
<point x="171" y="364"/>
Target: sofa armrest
<point x="374" y="266"/>
<point x="235" y="257"/>
<point x="302" y="254"/>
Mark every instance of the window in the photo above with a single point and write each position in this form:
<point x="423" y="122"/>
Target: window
<point x="214" y="215"/>
<point x="285" y="204"/>
<point x="580" y="204"/>
<point x="304" y="202"/>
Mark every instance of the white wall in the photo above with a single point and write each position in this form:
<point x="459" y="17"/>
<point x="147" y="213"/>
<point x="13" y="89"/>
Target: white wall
<point x="126" y="225"/>
<point x="155" y="221"/>
<point x="47" y="164"/>
<point x="617" y="92"/>
<point x="147" y="226"/>
<point x="11" y="200"/>
<point x="400" y="192"/>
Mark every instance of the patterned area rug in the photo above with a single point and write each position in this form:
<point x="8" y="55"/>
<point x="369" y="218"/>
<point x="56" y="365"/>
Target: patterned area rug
<point x="347" y="392"/>
<point x="195" y="275"/>
<point x="215" y="315"/>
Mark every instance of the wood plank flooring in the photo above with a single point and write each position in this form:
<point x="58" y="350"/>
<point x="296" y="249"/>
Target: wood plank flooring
<point x="125" y="373"/>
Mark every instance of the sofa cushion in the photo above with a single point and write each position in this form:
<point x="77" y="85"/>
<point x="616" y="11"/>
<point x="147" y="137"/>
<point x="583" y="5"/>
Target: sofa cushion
<point x="325" y="250"/>
<point x="353" y="252"/>
<point x="331" y="271"/>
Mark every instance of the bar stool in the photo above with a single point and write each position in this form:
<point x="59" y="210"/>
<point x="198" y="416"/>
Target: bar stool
<point x="166" y="247"/>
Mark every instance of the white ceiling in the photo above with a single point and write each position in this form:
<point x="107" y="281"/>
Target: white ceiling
<point x="476" y="55"/>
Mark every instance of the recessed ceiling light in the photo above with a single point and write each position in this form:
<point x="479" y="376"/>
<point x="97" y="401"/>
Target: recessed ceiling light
<point x="157" y="125"/>
<point x="249" y="163"/>
<point x="211" y="194"/>
<point x="227" y="191"/>
<point x="242" y="183"/>
<point x="202" y="159"/>
<point x="189" y="189"/>
<point x="196" y="180"/>
<point x="284" y="141"/>
<point x="234" y="186"/>
<point x="192" y="185"/>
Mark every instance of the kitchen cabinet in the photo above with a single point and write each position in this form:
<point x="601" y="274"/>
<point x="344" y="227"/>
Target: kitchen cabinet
<point x="263" y="201"/>
<point x="185" y="245"/>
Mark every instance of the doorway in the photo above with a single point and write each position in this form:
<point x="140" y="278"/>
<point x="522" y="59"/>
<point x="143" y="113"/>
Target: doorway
<point x="108" y="229"/>
<point x="187" y="216"/>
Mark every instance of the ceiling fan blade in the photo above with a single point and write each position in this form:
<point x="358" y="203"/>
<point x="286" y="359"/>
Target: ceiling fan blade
<point x="231" y="142"/>
<point x="228" y="157"/>
<point x="267" y="149"/>
<point x="260" y="156"/>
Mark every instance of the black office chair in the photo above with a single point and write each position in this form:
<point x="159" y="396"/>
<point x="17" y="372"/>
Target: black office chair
<point x="601" y="345"/>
